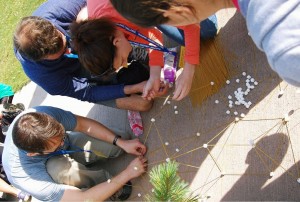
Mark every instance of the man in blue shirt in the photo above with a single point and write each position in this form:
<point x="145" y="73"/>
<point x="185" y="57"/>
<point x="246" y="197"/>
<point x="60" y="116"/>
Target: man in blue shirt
<point x="42" y="159"/>
<point x="44" y="60"/>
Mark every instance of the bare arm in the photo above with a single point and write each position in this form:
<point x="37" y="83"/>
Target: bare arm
<point x="99" y="131"/>
<point x="184" y="82"/>
<point x="104" y="190"/>
<point x="6" y="188"/>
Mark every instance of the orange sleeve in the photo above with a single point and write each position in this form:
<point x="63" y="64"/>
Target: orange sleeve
<point x="156" y="58"/>
<point x="192" y="43"/>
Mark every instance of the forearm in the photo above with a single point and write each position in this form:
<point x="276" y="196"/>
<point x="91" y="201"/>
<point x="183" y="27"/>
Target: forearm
<point x="99" y="192"/>
<point x="189" y="67"/>
<point x="155" y="72"/>
<point x="94" y="129"/>
<point x="6" y="188"/>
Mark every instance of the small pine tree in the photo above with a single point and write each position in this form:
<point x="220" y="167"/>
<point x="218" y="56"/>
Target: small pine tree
<point x="167" y="185"/>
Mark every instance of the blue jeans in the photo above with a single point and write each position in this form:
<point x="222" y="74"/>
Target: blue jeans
<point x="208" y="30"/>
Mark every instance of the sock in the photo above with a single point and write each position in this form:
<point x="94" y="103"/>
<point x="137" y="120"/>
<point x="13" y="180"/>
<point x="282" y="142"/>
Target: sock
<point x="135" y="122"/>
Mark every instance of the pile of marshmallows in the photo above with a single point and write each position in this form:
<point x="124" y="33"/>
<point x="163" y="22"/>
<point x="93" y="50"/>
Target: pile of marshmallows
<point x="239" y="94"/>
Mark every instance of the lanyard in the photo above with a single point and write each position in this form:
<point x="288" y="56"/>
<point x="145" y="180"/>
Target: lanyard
<point x="63" y="152"/>
<point x="77" y="149"/>
<point x="155" y="46"/>
<point x="69" y="53"/>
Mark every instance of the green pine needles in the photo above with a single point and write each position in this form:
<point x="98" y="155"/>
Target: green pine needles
<point x="167" y="184"/>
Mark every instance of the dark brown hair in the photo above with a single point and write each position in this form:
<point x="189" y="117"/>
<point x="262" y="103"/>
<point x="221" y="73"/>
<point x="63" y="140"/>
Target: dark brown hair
<point x="146" y="13"/>
<point x="33" y="131"/>
<point x="36" y="38"/>
<point x="93" y="41"/>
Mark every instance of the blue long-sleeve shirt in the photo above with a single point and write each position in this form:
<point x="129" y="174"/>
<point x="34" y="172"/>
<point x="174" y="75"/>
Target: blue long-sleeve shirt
<point x="65" y="76"/>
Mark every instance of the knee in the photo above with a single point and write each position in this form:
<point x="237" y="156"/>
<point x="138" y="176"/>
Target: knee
<point x="56" y="166"/>
<point x="146" y="106"/>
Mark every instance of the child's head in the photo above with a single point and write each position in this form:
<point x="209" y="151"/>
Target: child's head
<point x="149" y="13"/>
<point x="100" y="46"/>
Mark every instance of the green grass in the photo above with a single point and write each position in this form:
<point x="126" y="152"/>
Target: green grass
<point x="11" y="72"/>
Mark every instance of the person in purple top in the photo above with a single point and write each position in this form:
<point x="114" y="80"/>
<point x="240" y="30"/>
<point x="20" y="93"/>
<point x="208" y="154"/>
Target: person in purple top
<point x="41" y="42"/>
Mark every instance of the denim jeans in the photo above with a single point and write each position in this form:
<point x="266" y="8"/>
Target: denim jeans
<point x="208" y="30"/>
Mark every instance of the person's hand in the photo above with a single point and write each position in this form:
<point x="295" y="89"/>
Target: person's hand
<point x="153" y="84"/>
<point x="163" y="89"/>
<point x="137" y="167"/>
<point x="134" y="146"/>
<point x="183" y="83"/>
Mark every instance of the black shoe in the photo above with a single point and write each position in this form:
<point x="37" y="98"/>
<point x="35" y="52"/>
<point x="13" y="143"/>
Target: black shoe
<point x="123" y="194"/>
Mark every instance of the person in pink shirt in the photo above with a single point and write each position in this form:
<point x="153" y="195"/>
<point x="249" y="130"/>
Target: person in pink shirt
<point x="103" y="8"/>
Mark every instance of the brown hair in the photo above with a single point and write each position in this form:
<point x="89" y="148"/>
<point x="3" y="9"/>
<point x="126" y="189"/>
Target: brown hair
<point x="92" y="39"/>
<point x="146" y="13"/>
<point x="33" y="131"/>
<point x="35" y="38"/>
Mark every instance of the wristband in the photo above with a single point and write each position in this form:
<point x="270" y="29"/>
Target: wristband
<point x="116" y="139"/>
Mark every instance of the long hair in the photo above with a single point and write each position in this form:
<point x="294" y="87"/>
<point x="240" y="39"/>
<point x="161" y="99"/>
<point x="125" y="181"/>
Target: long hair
<point x="93" y="41"/>
<point x="147" y="13"/>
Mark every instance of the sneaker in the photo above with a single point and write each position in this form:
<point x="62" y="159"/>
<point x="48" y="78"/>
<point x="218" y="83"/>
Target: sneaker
<point x="123" y="194"/>
<point x="135" y="122"/>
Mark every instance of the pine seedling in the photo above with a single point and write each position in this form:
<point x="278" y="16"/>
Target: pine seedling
<point x="167" y="185"/>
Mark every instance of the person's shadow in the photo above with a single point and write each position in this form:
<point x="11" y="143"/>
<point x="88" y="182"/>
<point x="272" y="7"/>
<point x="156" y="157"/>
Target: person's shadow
<point x="289" y="190"/>
<point x="264" y="164"/>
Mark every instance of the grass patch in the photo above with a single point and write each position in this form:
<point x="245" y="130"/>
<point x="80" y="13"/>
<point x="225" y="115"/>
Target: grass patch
<point x="11" y="72"/>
